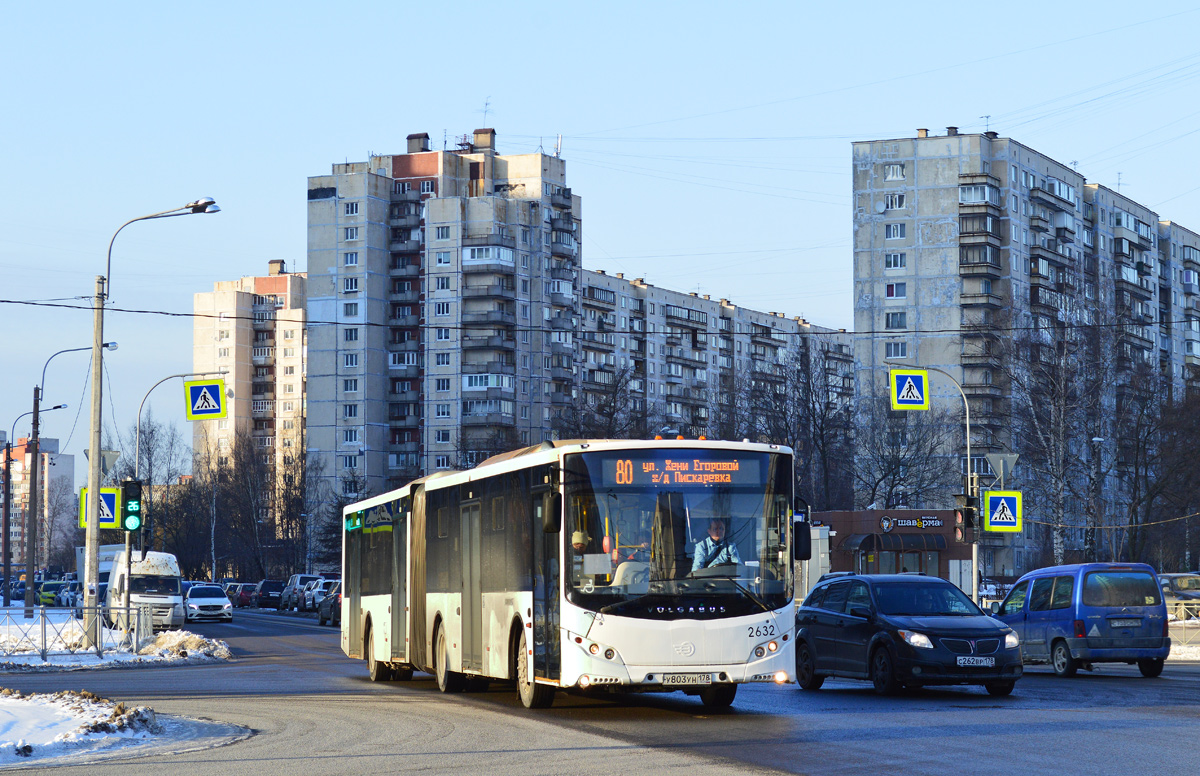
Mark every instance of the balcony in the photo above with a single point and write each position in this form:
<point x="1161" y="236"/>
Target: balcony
<point x="1042" y="252"/>
<point x="494" y="342"/>
<point x="405" y="196"/>
<point x="1141" y="289"/>
<point x="489" y="318"/>
<point x="1122" y="232"/>
<point x="560" y="323"/>
<point x="1039" y="223"/>
<point x="1189" y="289"/>
<point x="562" y="199"/>
<point x="488" y="267"/>
<point x="504" y="241"/>
<point x="562" y="250"/>
<point x="562" y="349"/>
<point x="490" y="419"/>
<point x="560" y="398"/>
<point x="982" y="300"/>
<point x="404" y="246"/>
<point x="507" y="394"/>
<point x="562" y="300"/>
<point x="402" y="396"/>
<point x="983" y="390"/>
<point x="408" y="221"/>
<point x="980" y="359"/>
<point x="561" y="374"/>
<point x="490" y="368"/>
<point x="1050" y="199"/>
<point x="979" y="238"/>
<point x="260" y="408"/>
<point x="404" y="320"/>
<point x="405" y="270"/>
<point x="979" y="268"/>
<point x="1065" y="234"/>
<point x="262" y="355"/>
<point x="562" y="273"/>
<point x="496" y="291"/>
<point x="563" y="224"/>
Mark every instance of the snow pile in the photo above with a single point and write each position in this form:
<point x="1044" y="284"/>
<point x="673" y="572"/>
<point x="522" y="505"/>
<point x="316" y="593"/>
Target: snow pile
<point x="1184" y="652"/>
<point x="63" y="633"/>
<point x="183" y="644"/>
<point x="35" y="727"/>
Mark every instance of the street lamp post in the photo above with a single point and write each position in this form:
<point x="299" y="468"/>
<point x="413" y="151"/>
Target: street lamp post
<point x="8" y="508"/>
<point x="92" y="515"/>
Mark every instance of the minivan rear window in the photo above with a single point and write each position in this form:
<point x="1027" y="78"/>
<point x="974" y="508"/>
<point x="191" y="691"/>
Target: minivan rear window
<point x="1120" y="588"/>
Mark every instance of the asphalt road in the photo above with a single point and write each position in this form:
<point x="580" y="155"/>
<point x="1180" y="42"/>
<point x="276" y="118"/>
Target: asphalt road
<point x="313" y="711"/>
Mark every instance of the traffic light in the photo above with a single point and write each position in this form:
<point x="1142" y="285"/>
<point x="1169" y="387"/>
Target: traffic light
<point x="131" y="505"/>
<point x="964" y="518"/>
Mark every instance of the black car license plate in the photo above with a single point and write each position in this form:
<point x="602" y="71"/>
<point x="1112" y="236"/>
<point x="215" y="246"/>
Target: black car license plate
<point x="975" y="661"/>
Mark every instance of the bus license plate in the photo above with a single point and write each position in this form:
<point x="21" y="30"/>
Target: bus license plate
<point x="977" y="662"/>
<point x="1124" y="623"/>
<point x="686" y="679"/>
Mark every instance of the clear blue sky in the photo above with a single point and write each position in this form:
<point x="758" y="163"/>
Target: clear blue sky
<point x="710" y="141"/>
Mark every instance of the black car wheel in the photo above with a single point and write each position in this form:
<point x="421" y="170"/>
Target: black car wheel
<point x="1000" y="688"/>
<point x="806" y="669"/>
<point x="1150" y="668"/>
<point x="1060" y="658"/>
<point x="883" y="672"/>
<point x="320" y="618"/>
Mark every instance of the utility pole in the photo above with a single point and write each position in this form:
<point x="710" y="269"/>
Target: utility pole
<point x="7" y="519"/>
<point x="31" y="519"/>
<point x="91" y="579"/>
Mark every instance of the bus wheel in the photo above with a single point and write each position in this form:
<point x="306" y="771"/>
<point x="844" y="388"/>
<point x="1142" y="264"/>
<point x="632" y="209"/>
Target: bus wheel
<point x="533" y="695"/>
<point x="718" y="696"/>
<point x="448" y="681"/>
<point x="378" y="670"/>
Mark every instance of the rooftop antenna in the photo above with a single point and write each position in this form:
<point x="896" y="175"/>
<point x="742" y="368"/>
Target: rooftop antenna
<point x="558" y="146"/>
<point x="444" y="140"/>
<point x="540" y="151"/>
<point x="987" y="122"/>
<point x="487" y="106"/>
<point x="1075" y="164"/>
<point x="1118" y="182"/>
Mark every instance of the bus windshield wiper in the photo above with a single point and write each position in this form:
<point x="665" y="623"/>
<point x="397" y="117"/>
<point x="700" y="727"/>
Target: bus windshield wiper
<point x="749" y="595"/>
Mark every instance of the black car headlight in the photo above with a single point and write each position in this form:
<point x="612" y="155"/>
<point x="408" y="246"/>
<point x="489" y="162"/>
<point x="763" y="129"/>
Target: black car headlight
<point x="1011" y="640"/>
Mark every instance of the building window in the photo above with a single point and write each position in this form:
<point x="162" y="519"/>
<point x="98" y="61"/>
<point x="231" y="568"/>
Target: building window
<point x="443" y="335"/>
<point x="441" y="411"/>
<point x="895" y="320"/>
<point x="893" y="231"/>
<point x="442" y="384"/>
<point x="441" y="308"/>
<point x="897" y="350"/>
<point x="351" y="259"/>
<point x="288" y="407"/>
<point x="525" y="311"/>
<point x="441" y="462"/>
<point x="443" y="359"/>
<point x="441" y="435"/>
<point x="289" y="388"/>
<point x="349" y="360"/>
<point x="349" y="410"/>
<point x="289" y="370"/>
<point x="442" y="258"/>
<point x="349" y="461"/>
<point x="351" y="335"/>
<point x="443" y="283"/>
<point x="893" y="202"/>
<point x="223" y="335"/>
<point x="893" y="172"/>
<point x="442" y="233"/>
<point x="350" y="309"/>
<point x="350" y="285"/>
<point x="350" y="385"/>
<point x="289" y="352"/>
<point x="222" y="352"/>
<point x="289" y="333"/>
<point x="426" y="187"/>
<point x="351" y="232"/>
<point x="349" y="435"/>
<point x="896" y="290"/>
<point x="351" y="208"/>
<point x="895" y="261"/>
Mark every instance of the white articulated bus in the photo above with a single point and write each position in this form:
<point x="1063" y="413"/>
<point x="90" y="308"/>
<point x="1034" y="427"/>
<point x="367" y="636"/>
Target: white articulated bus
<point x="592" y="565"/>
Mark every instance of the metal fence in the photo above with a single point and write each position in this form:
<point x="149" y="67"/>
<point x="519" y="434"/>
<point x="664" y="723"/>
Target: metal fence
<point x="54" y="631"/>
<point x="1185" y="628"/>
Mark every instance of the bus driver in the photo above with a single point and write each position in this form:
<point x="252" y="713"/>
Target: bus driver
<point x="713" y="549"/>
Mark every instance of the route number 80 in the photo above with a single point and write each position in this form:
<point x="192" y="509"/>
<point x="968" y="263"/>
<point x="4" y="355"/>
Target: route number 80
<point x="625" y="472"/>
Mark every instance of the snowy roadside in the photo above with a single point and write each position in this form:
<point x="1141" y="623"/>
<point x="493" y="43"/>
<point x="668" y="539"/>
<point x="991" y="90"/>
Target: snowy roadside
<point x="1184" y="653"/>
<point x="168" y="648"/>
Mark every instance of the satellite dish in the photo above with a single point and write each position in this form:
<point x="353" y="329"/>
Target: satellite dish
<point x="880" y="207"/>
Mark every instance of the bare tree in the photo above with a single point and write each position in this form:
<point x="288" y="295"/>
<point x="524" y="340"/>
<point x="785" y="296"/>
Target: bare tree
<point x="65" y="535"/>
<point x="613" y="411"/>
<point x="902" y="458"/>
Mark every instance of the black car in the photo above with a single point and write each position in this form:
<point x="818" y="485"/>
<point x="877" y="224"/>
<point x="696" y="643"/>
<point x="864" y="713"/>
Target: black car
<point x="267" y="594"/>
<point x="330" y="608"/>
<point x="901" y="630"/>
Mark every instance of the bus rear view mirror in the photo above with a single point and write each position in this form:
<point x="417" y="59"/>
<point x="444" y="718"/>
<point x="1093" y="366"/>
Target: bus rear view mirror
<point x="801" y="541"/>
<point x="552" y="517"/>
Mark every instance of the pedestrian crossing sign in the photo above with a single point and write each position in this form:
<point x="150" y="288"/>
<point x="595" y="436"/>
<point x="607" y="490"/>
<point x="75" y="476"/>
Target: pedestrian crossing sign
<point x="1002" y="511"/>
<point x="108" y="507"/>
<point x="909" y="389"/>
<point x="205" y="399"/>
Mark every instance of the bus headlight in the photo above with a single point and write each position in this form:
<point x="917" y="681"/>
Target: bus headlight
<point x="594" y="649"/>
<point x="772" y="646"/>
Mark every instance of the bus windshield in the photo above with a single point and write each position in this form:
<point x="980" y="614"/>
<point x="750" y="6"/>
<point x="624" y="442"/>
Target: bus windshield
<point x="657" y="525"/>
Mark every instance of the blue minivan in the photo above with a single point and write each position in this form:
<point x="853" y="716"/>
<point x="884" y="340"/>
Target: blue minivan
<point x="1088" y="613"/>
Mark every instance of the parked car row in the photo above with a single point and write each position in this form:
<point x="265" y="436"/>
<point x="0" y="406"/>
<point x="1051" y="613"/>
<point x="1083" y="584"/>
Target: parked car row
<point x="910" y="630"/>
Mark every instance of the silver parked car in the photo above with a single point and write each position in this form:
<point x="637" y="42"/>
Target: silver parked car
<point x="316" y="591"/>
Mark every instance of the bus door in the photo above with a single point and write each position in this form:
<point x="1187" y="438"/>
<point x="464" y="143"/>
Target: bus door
<point x="400" y="642"/>
<point x="546" y="652"/>
<point x="352" y="589"/>
<point x="472" y="589"/>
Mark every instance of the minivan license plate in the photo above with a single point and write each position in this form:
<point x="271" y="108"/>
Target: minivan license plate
<point x="685" y="679"/>
<point x="976" y="662"/>
<point x="1124" y="623"/>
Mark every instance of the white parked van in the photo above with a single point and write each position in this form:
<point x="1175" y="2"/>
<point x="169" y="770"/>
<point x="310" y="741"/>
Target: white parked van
<point x="153" y="580"/>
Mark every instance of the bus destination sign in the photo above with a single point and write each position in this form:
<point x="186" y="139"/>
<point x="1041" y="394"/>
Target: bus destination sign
<point x="684" y="471"/>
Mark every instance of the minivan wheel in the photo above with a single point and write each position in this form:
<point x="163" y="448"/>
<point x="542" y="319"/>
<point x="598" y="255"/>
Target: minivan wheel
<point x="1150" y="668"/>
<point x="883" y="672"/>
<point x="806" y="669"/>
<point x="1060" y="658"/>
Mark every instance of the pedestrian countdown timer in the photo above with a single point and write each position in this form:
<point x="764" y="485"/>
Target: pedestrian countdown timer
<point x="1002" y="511"/>
<point x="909" y="389"/>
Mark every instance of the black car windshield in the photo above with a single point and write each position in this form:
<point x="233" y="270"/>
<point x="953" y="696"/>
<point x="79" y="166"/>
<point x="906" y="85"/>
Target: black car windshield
<point x="206" y="592"/>
<point x="678" y="522"/>
<point x="154" y="585"/>
<point x="923" y="599"/>
<point x="271" y="587"/>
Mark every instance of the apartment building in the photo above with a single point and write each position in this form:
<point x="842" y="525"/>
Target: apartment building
<point x="254" y="330"/>
<point x="56" y="497"/>
<point x="438" y="280"/>
<point x="962" y="240"/>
